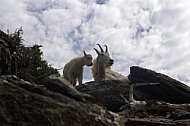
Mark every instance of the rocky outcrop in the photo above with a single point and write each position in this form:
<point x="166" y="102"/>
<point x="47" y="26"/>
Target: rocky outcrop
<point x="108" y="92"/>
<point x="25" y="103"/>
<point x="7" y="50"/>
<point x="155" y="121"/>
<point x="169" y="89"/>
<point x="53" y="101"/>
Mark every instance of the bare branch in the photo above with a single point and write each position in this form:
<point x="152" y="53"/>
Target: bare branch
<point x="131" y="98"/>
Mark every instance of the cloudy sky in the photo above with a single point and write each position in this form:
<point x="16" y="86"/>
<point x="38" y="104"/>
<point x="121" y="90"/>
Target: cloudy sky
<point x="154" y="34"/>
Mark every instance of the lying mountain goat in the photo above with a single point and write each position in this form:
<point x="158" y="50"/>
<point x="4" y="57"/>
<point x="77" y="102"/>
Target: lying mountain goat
<point x="102" y="61"/>
<point x="101" y="67"/>
<point x="73" y="70"/>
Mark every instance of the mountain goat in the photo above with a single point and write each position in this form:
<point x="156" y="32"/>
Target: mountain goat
<point x="101" y="67"/>
<point x="103" y="60"/>
<point x="73" y="70"/>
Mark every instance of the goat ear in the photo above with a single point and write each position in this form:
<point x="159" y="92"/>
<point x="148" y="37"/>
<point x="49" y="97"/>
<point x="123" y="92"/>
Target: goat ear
<point x="97" y="51"/>
<point x="100" y="48"/>
<point x="106" y="48"/>
<point x="84" y="53"/>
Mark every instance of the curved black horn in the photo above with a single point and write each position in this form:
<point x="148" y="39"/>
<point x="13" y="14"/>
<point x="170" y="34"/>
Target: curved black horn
<point x="100" y="48"/>
<point x="106" y="48"/>
<point x="97" y="51"/>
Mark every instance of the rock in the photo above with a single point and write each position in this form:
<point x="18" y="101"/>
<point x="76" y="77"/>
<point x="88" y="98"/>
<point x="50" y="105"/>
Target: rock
<point x="7" y="65"/>
<point x="154" y="121"/>
<point x="58" y="84"/>
<point x="169" y="90"/>
<point x="54" y="102"/>
<point x="180" y="114"/>
<point x="25" y="103"/>
<point x="108" y="92"/>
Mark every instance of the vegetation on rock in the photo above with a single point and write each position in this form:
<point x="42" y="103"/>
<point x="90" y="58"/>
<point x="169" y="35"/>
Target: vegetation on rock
<point x="18" y="59"/>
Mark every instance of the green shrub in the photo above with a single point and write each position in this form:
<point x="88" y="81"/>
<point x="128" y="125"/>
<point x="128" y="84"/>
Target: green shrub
<point x="25" y="62"/>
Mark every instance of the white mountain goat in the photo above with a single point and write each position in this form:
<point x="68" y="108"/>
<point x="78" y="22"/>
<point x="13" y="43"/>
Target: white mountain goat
<point x="101" y="67"/>
<point x="73" y="70"/>
<point x="103" y="60"/>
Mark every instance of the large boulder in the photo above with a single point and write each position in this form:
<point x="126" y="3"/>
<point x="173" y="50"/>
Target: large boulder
<point x="169" y="89"/>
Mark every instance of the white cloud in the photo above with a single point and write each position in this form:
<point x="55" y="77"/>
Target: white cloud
<point x="152" y="34"/>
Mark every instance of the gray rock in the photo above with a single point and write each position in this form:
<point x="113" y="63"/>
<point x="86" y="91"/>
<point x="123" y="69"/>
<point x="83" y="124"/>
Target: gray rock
<point x="169" y="89"/>
<point x="24" y="103"/>
<point x="180" y="114"/>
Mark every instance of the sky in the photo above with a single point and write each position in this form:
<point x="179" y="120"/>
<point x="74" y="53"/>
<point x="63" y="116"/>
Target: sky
<point x="153" y="34"/>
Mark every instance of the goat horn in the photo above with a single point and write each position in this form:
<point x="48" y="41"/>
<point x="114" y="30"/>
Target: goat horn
<point x="106" y="48"/>
<point x="97" y="51"/>
<point x="84" y="53"/>
<point x="100" y="48"/>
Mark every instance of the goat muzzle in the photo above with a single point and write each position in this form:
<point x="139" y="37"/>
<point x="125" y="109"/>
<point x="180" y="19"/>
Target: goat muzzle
<point x="111" y="61"/>
<point x="90" y="64"/>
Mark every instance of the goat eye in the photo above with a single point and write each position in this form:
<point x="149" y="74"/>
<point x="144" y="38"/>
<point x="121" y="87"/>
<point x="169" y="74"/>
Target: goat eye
<point x="88" y="57"/>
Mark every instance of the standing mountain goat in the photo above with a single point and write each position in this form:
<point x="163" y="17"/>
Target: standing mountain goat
<point x="101" y="67"/>
<point x="73" y="70"/>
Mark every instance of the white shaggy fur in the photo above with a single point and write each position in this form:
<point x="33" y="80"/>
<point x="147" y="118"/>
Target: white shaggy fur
<point x="101" y="67"/>
<point x="73" y="70"/>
